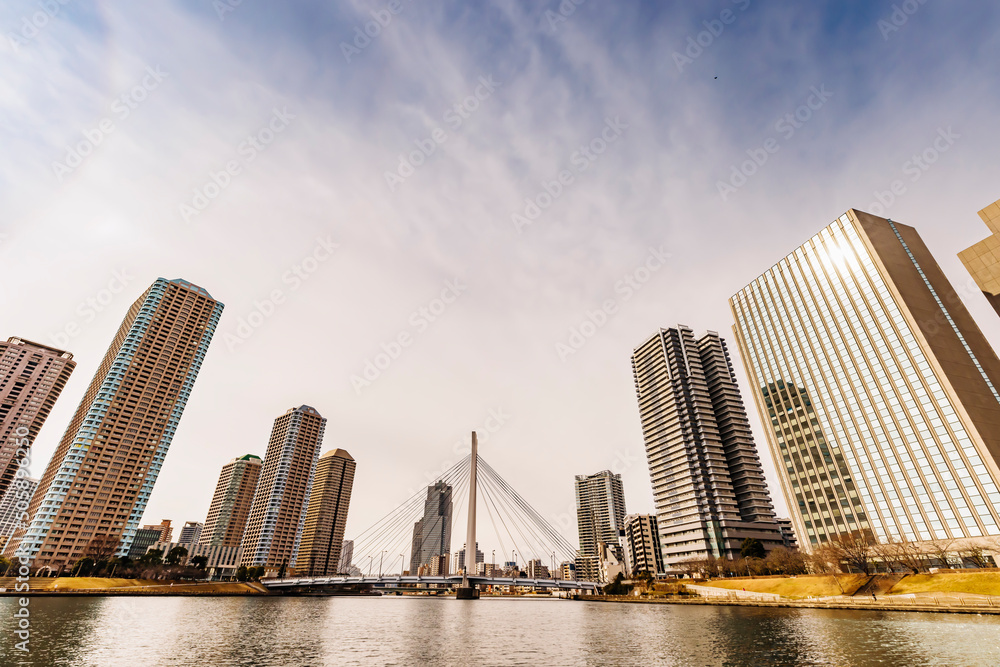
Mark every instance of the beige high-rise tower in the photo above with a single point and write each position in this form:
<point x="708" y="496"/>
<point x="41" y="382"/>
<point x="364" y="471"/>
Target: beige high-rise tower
<point x="31" y="378"/>
<point x="95" y="489"/>
<point x="878" y="391"/>
<point x="983" y="259"/>
<point x="227" y="515"/>
<point x="323" y="534"/>
<point x="278" y="512"/>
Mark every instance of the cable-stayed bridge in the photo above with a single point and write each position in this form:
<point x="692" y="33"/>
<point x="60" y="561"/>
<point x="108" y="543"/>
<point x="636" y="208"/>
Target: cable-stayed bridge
<point x="419" y="521"/>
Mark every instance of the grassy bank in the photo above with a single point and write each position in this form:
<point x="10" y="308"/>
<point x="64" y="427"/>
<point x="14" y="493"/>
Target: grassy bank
<point x="803" y="586"/>
<point x="137" y="586"/>
<point x="982" y="583"/>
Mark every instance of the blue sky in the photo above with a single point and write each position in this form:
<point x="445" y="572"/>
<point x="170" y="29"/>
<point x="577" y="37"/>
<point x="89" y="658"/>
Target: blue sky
<point x="606" y="77"/>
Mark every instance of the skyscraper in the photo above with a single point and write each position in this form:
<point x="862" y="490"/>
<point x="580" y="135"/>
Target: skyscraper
<point x="600" y="518"/>
<point x="643" y="552"/>
<point x="31" y="378"/>
<point x="323" y="534"/>
<point x="878" y="390"/>
<point x="983" y="259"/>
<point x="227" y="515"/>
<point x="190" y="533"/>
<point x="708" y="484"/>
<point x="278" y="512"/>
<point x="95" y="489"/>
<point x="346" y="557"/>
<point x="432" y="533"/>
<point x="11" y="517"/>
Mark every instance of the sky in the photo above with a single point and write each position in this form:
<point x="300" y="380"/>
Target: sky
<point x="431" y="218"/>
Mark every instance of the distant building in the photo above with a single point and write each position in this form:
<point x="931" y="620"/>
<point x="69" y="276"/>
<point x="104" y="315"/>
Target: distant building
<point x="983" y="259"/>
<point x="221" y="562"/>
<point x="600" y="516"/>
<point x="438" y="566"/>
<point x="432" y="533"/>
<point x="346" y="557"/>
<point x="610" y="563"/>
<point x="788" y="534"/>
<point x="111" y="453"/>
<point x="567" y="571"/>
<point x="536" y="570"/>
<point x="31" y="378"/>
<point x="144" y="538"/>
<point x="190" y="533"/>
<point x="642" y="545"/>
<point x="323" y="534"/>
<point x="166" y="532"/>
<point x="278" y="512"/>
<point x="708" y="484"/>
<point x="227" y="515"/>
<point x="460" y="559"/>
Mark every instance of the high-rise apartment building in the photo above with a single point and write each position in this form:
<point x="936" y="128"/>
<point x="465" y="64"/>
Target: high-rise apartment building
<point x="95" y="489"/>
<point x="164" y="529"/>
<point x="460" y="560"/>
<point x="31" y="378"/>
<point x="190" y="532"/>
<point x="878" y="391"/>
<point x="234" y="492"/>
<point x="642" y="545"/>
<point x="323" y="534"/>
<point x="983" y="259"/>
<point x="708" y="484"/>
<point x="432" y="533"/>
<point x="600" y="518"/>
<point x="278" y="512"/>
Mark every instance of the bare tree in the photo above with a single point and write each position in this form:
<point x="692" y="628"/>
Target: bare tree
<point x="977" y="556"/>
<point x="940" y="551"/>
<point x="824" y="560"/>
<point x="856" y="549"/>
<point x="102" y="547"/>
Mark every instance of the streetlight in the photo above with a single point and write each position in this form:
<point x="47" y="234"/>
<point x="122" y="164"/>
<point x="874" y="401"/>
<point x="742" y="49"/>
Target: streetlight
<point x="380" y="563"/>
<point x="370" y="558"/>
<point x="401" y="559"/>
<point x="493" y="560"/>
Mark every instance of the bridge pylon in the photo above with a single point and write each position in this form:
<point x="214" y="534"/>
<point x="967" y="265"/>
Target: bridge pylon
<point x="468" y="590"/>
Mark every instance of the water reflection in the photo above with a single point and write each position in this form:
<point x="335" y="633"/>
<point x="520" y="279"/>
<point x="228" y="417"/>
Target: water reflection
<point x="428" y="631"/>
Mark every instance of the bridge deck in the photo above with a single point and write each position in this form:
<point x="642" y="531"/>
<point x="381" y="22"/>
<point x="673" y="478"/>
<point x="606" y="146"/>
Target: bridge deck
<point x="298" y="582"/>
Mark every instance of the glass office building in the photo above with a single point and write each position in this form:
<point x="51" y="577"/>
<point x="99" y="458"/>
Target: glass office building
<point x="878" y="390"/>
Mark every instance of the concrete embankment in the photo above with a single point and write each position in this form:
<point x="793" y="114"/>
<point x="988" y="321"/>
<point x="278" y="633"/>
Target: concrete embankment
<point x="75" y="586"/>
<point x="948" y="605"/>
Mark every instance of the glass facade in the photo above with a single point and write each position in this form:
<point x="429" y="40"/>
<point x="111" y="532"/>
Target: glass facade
<point x="865" y="429"/>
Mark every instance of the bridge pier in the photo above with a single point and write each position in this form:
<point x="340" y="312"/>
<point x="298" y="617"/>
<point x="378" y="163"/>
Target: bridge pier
<point x="470" y="593"/>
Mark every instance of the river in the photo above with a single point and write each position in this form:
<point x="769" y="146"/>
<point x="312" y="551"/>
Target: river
<point x="210" y="631"/>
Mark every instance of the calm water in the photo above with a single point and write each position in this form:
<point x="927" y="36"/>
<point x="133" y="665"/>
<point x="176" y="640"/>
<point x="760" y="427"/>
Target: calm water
<point x="421" y="631"/>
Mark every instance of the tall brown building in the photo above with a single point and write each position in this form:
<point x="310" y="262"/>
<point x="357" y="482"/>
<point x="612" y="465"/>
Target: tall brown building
<point x="323" y="535"/>
<point x="227" y="515"/>
<point x="166" y="532"/>
<point x="278" y="512"/>
<point x="31" y="378"/>
<point x="879" y="391"/>
<point x="96" y="486"/>
<point x="983" y="259"/>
